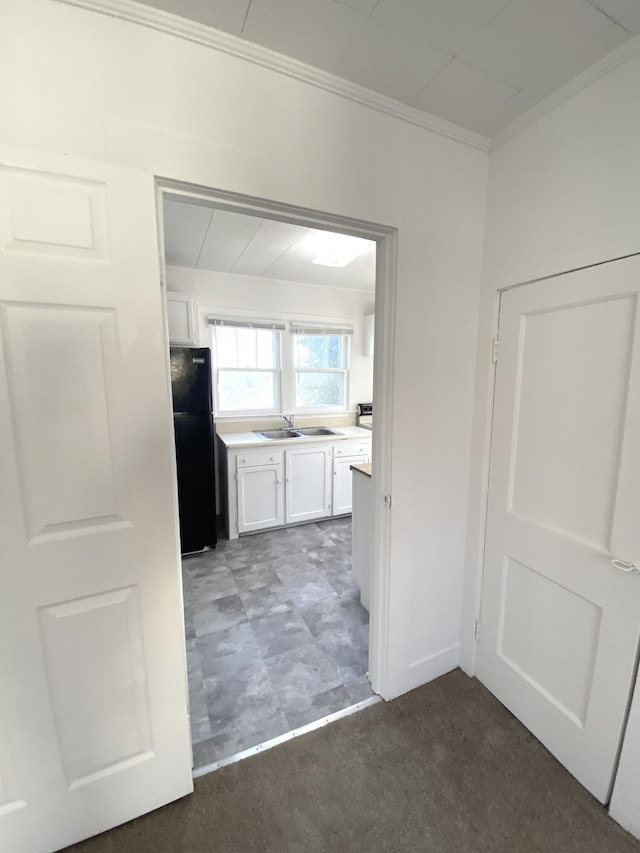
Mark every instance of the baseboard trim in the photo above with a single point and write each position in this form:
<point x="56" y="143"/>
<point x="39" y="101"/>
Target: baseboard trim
<point x="426" y="669"/>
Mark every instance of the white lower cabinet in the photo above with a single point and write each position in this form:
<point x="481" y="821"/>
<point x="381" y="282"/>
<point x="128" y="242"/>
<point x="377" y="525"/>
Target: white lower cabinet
<point x="260" y="498"/>
<point x="271" y="487"/>
<point x="308" y="483"/>
<point x="343" y="483"/>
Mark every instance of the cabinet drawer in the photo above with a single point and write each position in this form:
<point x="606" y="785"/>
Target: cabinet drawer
<point x="251" y="458"/>
<point x="353" y="447"/>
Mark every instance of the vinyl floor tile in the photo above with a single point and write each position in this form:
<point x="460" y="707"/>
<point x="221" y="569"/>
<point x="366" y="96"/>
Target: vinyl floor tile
<point x="276" y="636"/>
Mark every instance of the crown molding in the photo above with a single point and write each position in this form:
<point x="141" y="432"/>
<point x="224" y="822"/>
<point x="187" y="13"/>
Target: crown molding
<point x="165" y="22"/>
<point x="600" y="69"/>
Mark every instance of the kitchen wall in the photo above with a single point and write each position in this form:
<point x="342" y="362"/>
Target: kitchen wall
<point x="91" y="85"/>
<point x="282" y="300"/>
<point x="564" y="193"/>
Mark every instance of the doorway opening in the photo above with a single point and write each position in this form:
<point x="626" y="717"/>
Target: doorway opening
<point x="285" y="622"/>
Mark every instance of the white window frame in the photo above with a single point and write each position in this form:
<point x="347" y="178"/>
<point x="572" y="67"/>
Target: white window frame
<point x="278" y="330"/>
<point x="305" y="329"/>
<point x="286" y="371"/>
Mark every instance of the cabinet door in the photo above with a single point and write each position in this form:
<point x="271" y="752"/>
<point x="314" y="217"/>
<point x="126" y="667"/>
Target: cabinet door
<point x="342" y="483"/>
<point x="260" y="498"/>
<point x="308" y="483"/>
<point x="181" y="317"/>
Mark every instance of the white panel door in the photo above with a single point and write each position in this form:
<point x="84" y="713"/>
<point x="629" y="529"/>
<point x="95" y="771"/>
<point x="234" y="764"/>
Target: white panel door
<point x="560" y="620"/>
<point x="343" y="483"/>
<point x="93" y="710"/>
<point x="260" y="498"/>
<point x="308" y="486"/>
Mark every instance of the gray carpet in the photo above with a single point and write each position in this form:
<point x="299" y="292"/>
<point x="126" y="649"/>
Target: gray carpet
<point x="444" y="768"/>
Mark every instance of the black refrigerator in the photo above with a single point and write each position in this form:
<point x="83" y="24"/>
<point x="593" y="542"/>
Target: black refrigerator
<point x="195" y="436"/>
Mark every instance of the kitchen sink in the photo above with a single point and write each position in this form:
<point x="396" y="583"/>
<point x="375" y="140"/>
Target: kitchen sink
<point x="275" y="434"/>
<point x="303" y="432"/>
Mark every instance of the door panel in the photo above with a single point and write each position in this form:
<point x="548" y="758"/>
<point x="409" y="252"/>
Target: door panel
<point x="560" y="624"/>
<point x="93" y="716"/>
<point x="308" y="483"/>
<point x="560" y="477"/>
<point x="343" y="483"/>
<point x="53" y="356"/>
<point x="260" y="498"/>
<point x="94" y="690"/>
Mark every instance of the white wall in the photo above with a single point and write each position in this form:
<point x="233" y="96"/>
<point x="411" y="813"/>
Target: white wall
<point x="283" y="300"/>
<point x="91" y="85"/>
<point x="564" y="193"/>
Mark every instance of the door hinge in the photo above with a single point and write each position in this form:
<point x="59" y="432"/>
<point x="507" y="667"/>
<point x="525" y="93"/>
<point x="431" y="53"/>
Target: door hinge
<point x="494" y="350"/>
<point x="387" y="500"/>
<point x="476" y="632"/>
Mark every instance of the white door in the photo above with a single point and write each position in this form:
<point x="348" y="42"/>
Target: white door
<point x="93" y="710"/>
<point x="308" y="483"/>
<point x="343" y="483"/>
<point x="560" y="620"/>
<point x="260" y="498"/>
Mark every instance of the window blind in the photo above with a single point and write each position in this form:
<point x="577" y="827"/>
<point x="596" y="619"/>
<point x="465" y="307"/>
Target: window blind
<point x="304" y="329"/>
<point x="246" y="324"/>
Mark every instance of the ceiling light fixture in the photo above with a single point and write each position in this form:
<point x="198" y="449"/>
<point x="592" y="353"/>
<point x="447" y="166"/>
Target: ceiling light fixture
<point x="338" y="250"/>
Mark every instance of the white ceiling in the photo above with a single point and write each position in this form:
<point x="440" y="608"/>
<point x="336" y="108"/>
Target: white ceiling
<point x="199" y="237"/>
<point x="477" y="63"/>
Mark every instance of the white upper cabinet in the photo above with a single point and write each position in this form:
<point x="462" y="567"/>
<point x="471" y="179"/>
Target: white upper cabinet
<point x="182" y="319"/>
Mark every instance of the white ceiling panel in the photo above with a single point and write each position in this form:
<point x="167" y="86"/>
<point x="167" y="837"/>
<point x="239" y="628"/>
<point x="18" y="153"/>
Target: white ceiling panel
<point x="227" y="15"/>
<point x="536" y="47"/>
<point x="185" y="228"/>
<point x="366" y="6"/>
<point x="396" y="64"/>
<point x="318" y="32"/>
<point x="227" y="238"/>
<point x="269" y="242"/>
<point x="528" y="48"/>
<point x="199" y="237"/>
<point x="460" y="91"/>
<point x="511" y="109"/>
<point x="448" y="25"/>
<point x="296" y="264"/>
<point x="625" y="12"/>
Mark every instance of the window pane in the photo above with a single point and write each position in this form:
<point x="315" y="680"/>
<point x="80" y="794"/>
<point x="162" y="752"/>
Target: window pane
<point x="319" y="351"/>
<point x="226" y="346"/>
<point x="266" y="346"/>
<point x="317" y="390"/>
<point x="237" y="347"/>
<point x="245" y="391"/>
<point x="247" y="354"/>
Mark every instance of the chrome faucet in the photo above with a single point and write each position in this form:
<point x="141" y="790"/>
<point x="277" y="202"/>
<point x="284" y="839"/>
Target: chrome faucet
<point x="289" y="420"/>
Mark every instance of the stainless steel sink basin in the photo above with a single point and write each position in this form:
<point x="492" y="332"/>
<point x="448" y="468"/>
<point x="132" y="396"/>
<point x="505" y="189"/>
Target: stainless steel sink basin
<point x="275" y="434"/>
<point x="306" y="432"/>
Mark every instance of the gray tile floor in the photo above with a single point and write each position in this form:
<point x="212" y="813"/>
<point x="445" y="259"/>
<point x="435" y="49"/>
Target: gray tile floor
<point x="276" y="636"/>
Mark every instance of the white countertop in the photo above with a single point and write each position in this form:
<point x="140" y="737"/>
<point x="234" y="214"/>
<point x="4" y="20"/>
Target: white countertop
<point x="249" y="439"/>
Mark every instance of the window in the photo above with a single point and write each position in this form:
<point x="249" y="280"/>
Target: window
<point x="321" y="365"/>
<point x="246" y="367"/>
<point x="265" y="368"/>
